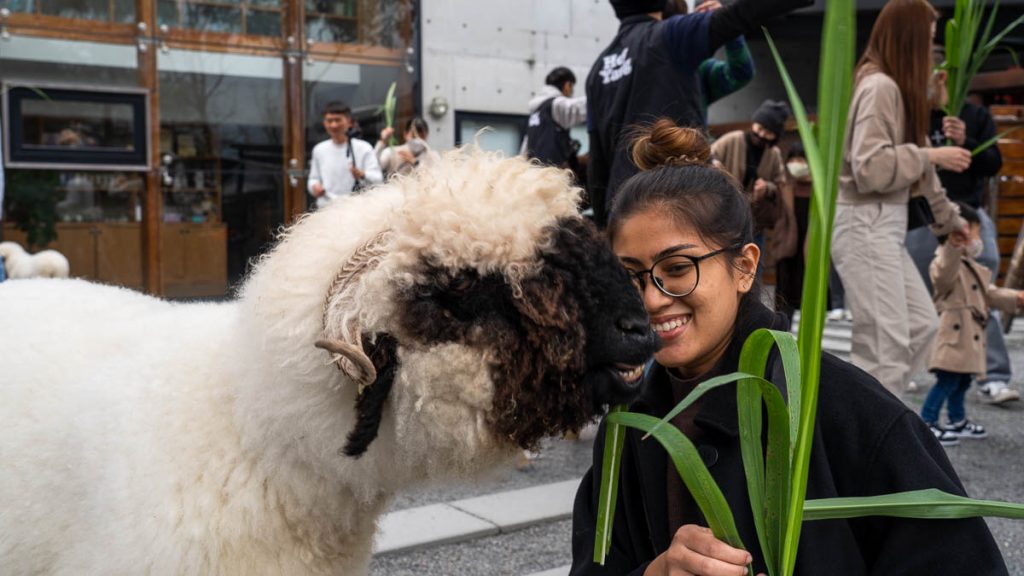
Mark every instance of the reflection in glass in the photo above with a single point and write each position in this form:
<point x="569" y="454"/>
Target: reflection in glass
<point x="372" y="22"/>
<point x="53" y="123"/>
<point x="101" y="10"/>
<point x="253" y="17"/>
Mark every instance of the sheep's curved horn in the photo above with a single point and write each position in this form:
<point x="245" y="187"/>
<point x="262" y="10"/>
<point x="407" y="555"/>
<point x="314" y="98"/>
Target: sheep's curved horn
<point x="342" y="335"/>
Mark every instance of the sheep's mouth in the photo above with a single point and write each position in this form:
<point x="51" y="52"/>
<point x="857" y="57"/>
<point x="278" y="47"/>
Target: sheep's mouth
<point x="630" y="374"/>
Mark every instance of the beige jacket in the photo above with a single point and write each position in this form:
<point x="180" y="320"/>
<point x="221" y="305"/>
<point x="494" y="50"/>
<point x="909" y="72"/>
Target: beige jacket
<point x="963" y="294"/>
<point x="877" y="165"/>
<point x="731" y="151"/>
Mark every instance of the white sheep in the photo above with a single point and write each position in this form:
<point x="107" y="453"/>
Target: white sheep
<point x="43" y="264"/>
<point x="421" y="331"/>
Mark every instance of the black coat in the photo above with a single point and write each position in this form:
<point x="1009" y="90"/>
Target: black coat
<point x="969" y="186"/>
<point x="866" y="442"/>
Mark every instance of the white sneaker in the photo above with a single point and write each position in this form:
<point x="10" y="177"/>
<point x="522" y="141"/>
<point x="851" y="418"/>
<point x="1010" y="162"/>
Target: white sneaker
<point x="834" y="315"/>
<point x="913" y="386"/>
<point x="997" y="392"/>
<point x="847" y="315"/>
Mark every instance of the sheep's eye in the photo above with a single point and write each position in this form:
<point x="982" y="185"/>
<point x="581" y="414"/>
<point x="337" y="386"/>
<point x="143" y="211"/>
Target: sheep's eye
<point x="462" y="283"/>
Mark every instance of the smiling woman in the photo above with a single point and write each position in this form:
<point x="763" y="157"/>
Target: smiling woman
<point x="683" y="230"/>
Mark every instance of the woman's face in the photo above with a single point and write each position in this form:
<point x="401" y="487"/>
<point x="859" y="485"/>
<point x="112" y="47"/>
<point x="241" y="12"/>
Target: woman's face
<point x="696" y="328"/>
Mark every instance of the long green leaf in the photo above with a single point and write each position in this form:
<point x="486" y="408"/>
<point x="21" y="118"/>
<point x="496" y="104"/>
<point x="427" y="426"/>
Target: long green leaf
<point x="768" y="479"/>
<point x="692" y="470"/>
<point x="926" y="504"/>
<point x="614" y="440"/>
<point x="390" y="105"/>
<point x="988" y="143"/>
<point x="834" y="91"/>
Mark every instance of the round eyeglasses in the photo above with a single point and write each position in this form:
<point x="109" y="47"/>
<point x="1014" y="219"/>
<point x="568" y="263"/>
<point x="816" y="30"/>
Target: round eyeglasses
<point x="675" y="275"/>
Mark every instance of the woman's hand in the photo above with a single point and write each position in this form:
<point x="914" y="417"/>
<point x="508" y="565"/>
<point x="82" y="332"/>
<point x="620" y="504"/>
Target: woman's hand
<point x="952" y="158"/>
<point x="386" y="133"/>
<point x="695" y="551"/>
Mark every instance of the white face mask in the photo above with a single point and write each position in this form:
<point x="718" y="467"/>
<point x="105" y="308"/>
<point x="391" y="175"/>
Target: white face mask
<point x="798" y="169"/>
<point x="975" y="248"/>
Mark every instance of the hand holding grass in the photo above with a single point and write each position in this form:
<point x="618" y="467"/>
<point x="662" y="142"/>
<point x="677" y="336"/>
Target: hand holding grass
<point x="695" y="550"/>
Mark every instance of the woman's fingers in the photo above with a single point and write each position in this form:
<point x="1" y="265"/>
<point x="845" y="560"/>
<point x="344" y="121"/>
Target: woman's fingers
<point x="695" y="550"/>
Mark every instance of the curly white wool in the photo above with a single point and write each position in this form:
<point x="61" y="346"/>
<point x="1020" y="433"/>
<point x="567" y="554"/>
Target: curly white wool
<point x="142" y="436"/>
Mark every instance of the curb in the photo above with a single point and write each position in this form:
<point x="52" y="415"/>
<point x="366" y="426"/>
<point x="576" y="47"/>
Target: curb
<point x="461" y="520"/>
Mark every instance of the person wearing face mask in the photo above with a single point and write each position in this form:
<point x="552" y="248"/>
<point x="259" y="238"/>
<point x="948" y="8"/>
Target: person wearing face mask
<point x="789" y="268"/>
<point x="754" y="160"/>
<point x="963" y="293"/>
<point x="682" y="230"/>
<point x="972" y="127"/>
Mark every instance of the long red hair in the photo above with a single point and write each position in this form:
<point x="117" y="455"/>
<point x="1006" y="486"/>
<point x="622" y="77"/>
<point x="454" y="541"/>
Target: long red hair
<point x="900" y="47"/>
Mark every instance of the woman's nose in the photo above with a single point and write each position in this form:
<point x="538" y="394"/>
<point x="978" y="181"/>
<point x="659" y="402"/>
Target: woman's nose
<point x="653" y="297"/>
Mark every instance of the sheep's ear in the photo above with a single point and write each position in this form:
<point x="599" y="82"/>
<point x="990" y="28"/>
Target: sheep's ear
<point x="342" y="336"/>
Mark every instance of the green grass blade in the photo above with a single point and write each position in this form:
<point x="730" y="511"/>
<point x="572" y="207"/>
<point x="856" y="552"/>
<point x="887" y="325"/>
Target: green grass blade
<point x="614" y="440"/>
<point x="767" y="479"/>
<point x="928" y="504"/>
<point x="390" y="105"/>
<point x="825" y="160"/>
<point x="988" y="143"/>
<point x="692" y="470"/>
<point x="695" y="394"/>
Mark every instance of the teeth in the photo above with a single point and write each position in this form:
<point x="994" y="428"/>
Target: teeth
<point x="671" y="324"/>
<point x="631" y="375"/>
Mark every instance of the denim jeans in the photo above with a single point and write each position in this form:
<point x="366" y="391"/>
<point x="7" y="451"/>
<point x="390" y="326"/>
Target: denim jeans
<point x="949" y="389"/>
<point x="3" y="271"/>
<point x="921" y="244"/>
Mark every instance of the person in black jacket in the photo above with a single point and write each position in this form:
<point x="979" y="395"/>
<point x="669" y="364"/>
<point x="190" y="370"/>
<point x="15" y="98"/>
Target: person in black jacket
<point x="650" y="70"/>
<point x="683" y="231"/>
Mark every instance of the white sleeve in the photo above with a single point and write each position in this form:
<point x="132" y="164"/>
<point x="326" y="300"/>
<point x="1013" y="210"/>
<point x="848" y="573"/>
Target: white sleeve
<point x="569" y="112"/>
<point x="370" y="167"/>
<point x="314" y="172"/>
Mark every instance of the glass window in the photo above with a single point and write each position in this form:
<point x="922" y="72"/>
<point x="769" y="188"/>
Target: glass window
<point x="372" y="22"/>
<point x="504" y="132"/>
<point x="221" y="163"/>
<point x="69" y="127"/>
<point x="253" y="17"/>
<point x="121" y="11"/>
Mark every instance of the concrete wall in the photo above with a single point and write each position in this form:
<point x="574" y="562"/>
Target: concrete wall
<point x="486" y="57"/>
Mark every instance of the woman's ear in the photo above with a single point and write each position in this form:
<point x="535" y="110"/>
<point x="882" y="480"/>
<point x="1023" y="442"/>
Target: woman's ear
<point x="746" y="264"/>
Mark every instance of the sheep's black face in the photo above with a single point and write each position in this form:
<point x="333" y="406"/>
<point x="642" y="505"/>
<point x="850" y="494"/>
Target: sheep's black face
<point x="572" y="341"/>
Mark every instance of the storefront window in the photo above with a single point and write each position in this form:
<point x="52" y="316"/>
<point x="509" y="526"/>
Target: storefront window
<point x="372" y="22"/>
<point x="122" y="11"/>
<point x="221" y="162"/>
<point x="253" y="17"/>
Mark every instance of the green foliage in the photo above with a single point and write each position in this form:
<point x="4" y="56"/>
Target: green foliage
<point x="30" y="201"/>
<point x="966" y="50"/>
<point x="390" y="106"/>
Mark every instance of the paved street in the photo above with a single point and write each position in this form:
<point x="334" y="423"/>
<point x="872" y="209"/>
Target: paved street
<point x="992" y="468"/>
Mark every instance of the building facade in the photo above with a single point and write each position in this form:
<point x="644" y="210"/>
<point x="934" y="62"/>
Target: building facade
<point x="160" y="144"/>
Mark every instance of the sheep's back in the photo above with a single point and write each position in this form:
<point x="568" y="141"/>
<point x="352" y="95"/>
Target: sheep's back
<point x="99" y="387"/>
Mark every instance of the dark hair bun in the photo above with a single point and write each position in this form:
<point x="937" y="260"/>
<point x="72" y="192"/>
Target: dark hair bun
<point x="665" y="144"/>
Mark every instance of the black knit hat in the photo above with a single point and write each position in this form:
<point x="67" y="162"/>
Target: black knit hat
<point x="772" y="114"/>
<point x="625" y="8"/>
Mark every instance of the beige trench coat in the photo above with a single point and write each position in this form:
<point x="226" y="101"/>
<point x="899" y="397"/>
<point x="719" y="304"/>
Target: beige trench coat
<point x="962" y="299"/>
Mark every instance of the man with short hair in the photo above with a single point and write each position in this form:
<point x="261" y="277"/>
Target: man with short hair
<point x="341" y="164"/>
<point x="553" y="112"/>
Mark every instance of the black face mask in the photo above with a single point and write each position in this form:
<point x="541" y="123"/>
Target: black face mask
<point x="758" y="142"/>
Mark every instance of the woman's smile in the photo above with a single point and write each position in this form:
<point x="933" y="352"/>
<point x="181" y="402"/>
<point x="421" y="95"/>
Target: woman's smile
<point x="669" y="328"/>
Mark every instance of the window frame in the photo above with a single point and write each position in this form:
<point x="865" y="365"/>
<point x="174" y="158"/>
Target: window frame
<point x="16" y="156"/>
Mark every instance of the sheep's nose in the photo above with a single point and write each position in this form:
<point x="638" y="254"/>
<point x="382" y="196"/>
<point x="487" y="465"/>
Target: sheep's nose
<point x="634" y="325"/>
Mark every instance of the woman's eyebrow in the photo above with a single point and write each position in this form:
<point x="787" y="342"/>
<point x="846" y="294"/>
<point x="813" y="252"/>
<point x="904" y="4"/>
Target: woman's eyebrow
<point x="672" y="249"/>
<point x="665" y="252"/>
